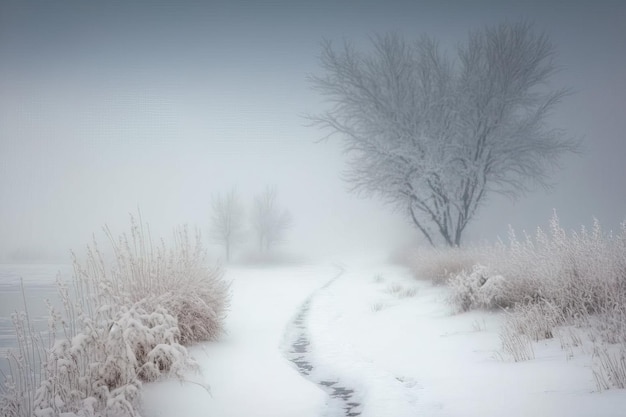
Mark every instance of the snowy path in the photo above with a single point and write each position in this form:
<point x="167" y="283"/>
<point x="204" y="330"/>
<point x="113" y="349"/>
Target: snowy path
<point x="342" y="401"/>
<point x="336" y="356"/>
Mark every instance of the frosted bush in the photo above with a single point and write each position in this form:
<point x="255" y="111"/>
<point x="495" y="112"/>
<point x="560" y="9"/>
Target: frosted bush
<point x="478" y="289"/>
<point x="491" y="293"/>
<point x="579" y="274"/>
<point x="199" y="305"/>
<point x="125" y="322"/>
<point x="576" y="272"/>
<point x="102" y="367"/>
<point x="546" y="280"/>
<point x="155" y="276"/>
<point x="464" y="287"/>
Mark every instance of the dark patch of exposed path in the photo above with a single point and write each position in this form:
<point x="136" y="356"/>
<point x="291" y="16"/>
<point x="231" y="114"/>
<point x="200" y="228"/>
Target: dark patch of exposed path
<point x="298" y="352"/>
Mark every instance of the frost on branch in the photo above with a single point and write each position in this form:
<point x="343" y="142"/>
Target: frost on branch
<point x="433" y="136"/>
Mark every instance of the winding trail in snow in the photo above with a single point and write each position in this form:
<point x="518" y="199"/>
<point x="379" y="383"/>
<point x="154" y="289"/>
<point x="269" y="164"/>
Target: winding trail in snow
<point x="298" y="351"/>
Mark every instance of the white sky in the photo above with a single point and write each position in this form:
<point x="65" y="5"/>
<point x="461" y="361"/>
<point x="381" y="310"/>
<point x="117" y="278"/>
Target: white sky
<point x="107" y="106"/>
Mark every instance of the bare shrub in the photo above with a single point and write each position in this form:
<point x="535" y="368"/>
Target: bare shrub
<point x="609" y="368"/>
<point x="516" y="344"/>
<point x="394" y="288"/>
<point x="399" y="291"/>
<point x="570" y="338"/>
<point x="376" y="307"/>
<point x="407" y="293"/>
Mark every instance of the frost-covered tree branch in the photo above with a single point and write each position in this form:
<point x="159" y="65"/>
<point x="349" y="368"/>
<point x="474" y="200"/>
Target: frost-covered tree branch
<point x="434" y="136"/>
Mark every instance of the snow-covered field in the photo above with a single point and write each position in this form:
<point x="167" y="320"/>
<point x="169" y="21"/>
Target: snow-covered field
<point x="389" y="340"/>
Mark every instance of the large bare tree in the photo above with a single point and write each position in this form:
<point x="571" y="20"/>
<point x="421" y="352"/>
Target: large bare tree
<point x="434" y="136"/>
<point x="227" y="221"/>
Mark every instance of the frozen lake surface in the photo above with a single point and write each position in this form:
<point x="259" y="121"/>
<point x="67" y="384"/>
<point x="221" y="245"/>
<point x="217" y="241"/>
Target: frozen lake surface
<point x="39" y="285"/>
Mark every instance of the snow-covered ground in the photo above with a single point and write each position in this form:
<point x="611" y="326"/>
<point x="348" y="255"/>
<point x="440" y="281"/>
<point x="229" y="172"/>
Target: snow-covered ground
<point x="246" y="370"/>
<point x="379" y="332"/>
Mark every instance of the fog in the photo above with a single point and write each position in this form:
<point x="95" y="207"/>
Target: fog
<point x="107" y="107"/>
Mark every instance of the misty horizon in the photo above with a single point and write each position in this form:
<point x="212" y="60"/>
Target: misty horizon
<point x="109" y="108"/>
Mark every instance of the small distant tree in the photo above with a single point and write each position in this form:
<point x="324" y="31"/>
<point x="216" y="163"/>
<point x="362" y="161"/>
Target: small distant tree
<point x="435" y="136"/>
<point x="227" y="221"/>
<point x="269" y="221"/>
